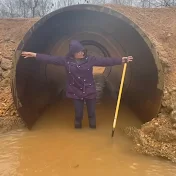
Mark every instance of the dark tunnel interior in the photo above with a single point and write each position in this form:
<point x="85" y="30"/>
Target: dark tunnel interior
<point x="104" y="34"/>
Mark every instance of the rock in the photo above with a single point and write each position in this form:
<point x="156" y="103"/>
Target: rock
<point x="166" y="95"/>
<point x="156" y="124"/>
<point x="5" y="82"/>
<point x="12" y="41"/>
<point x="174" y="89"/>
<point x="161" y="115"/>
<point x="8" y="57"/>
<point x="165" y="92"/>
<point x="173" y="116"/>
<point x="174" y="126"/>
<point x="164" y="103"/>
<point x="7" y="39"/>
<point x="1" y="71"/>
<point x="169" y="108"/>
<point x="6" y="64"/>
<point x="169" y="35"/>
<point x="6" y="74"/>
<point x="12" y="113"/>
<point x="165" y="63"/>
<point x="173" y="120"/>
<point x="163" y="135"/>
<point x="76" y="166"/>
<point x="12" y="49"/>
<point x="147" y="129"/>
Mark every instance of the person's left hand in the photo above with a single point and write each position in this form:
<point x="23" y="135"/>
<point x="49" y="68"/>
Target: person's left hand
<point x="127" y="59"/>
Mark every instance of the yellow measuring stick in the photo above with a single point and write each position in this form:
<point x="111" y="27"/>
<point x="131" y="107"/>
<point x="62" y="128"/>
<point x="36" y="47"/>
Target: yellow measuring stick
<point x="119" y="98"/>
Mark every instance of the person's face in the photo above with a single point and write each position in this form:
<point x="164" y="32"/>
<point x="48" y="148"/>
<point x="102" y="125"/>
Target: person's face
<point x="79" y="55"/>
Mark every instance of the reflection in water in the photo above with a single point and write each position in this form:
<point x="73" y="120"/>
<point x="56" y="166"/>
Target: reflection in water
<point x="55" y="148"/>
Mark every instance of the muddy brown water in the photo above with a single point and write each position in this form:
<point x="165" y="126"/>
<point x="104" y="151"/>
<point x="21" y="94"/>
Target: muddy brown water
<point x="55" y="148"/>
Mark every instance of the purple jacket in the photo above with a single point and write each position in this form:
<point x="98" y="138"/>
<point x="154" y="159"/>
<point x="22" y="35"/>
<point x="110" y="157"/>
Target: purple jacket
<point x="80" y="82"/>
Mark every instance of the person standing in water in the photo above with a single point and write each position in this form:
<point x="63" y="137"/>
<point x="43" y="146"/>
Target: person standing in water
<point x="80" y="84"/>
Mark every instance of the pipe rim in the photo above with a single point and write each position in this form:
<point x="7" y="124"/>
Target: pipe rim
<point x="89" y="7"/>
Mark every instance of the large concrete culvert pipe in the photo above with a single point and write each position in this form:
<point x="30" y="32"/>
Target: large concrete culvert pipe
<point x="104" y="32"/>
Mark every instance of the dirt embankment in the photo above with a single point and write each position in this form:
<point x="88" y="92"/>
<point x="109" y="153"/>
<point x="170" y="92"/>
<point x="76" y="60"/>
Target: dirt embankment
<point x="11" y="32"/>
<point x="157" y="137"/>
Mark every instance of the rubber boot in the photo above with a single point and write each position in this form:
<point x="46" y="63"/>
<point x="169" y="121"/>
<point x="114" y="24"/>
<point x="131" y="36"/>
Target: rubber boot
<point x="92" y="123"/>
<point x="78" y="124"/>
<point x="79" y="105"/>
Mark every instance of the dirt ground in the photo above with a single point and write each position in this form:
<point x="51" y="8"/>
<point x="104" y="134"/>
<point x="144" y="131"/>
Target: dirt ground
<point x="158" y="137"/>
<point x="11" y="32"/>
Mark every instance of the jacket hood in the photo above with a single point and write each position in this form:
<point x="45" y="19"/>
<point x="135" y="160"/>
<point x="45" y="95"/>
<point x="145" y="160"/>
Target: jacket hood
<point x="75" y="47"/>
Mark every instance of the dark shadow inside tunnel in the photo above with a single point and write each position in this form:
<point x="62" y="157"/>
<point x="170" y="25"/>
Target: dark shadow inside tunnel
<point x="103" y="32"/>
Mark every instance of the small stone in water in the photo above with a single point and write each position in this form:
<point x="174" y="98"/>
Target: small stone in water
<point x="76" y="166"/>
<point x="132" y="167"/>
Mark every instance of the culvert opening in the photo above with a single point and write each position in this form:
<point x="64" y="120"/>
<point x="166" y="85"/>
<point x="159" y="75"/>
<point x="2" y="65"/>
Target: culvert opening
<point x="104" y="32"/>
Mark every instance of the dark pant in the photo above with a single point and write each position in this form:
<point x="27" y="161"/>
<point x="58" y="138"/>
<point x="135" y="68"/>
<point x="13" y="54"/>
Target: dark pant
<point x="79" y="108"/>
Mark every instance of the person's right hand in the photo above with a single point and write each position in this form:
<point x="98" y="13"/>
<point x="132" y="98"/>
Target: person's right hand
<point x="28" y="54"/>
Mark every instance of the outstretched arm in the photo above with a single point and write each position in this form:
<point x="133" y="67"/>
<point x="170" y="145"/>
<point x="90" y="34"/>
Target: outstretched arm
<point x="110" y="61"/>
<point x="56" y="60"/>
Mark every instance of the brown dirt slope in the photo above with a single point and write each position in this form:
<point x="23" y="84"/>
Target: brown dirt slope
<point x="157" y="137"/>
<point x="11" y="32"/>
